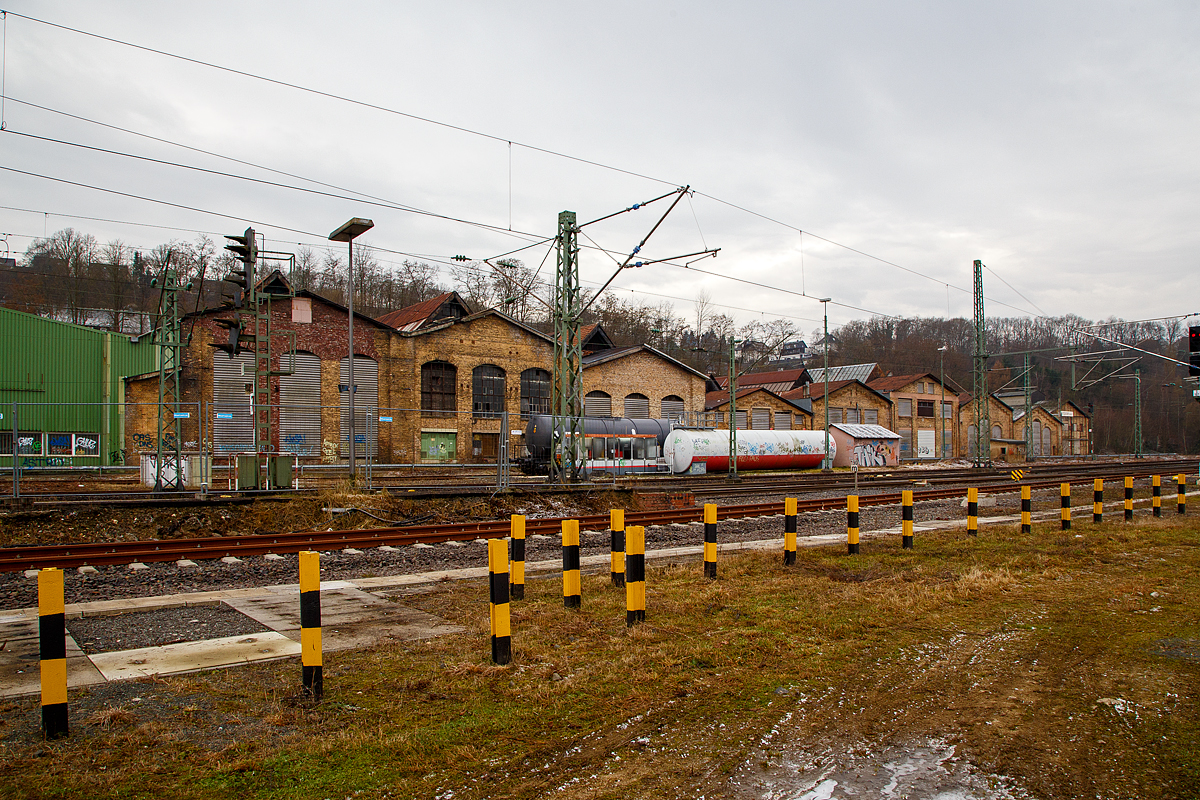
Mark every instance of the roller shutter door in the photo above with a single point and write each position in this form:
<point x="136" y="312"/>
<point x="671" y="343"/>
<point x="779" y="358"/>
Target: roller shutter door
<point x="597" y="404"/>
<point x="233" y="425"/>
<point x="672" y="408"/>
<point x="760" y="419"/>
<point x="741" y="420"/>
<point x="300" y="407"/>
<point x="366" y="404"/>
<point x="637" y="406"/>
<point x="783" y="420"/>
<point x="851" y="416"/>
<point x="926" y="446"/>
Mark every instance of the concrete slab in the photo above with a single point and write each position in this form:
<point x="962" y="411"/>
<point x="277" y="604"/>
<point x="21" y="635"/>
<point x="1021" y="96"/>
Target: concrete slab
<point x="173" y="659"/>
<point x="350" y="617"/>
<point x="20" y="663"/>
<point x="137" y="566"/>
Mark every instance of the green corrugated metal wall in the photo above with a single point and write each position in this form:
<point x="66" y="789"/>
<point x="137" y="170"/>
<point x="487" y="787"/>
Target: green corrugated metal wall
<point x="59" y="374"/>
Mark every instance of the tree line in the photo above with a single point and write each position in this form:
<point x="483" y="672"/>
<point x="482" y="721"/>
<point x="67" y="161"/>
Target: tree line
<point x="72" y="277"/>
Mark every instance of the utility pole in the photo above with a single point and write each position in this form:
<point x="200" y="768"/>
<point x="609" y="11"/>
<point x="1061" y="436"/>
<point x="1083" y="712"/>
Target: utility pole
<point x="983" y="423"/>
<point x="169" y="340"/>
<point x="826" y="464"/>
<point x="733" y="473"/>
<point x="568" y="356"/>
<point x="1029" y="443"/>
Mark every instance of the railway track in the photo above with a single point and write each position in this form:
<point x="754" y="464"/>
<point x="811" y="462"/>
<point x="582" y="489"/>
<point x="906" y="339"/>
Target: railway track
<point x="95" y="554"/>
<point x="699" y="486"/>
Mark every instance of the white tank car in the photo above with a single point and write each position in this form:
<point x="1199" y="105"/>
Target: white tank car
<point x="756" y="449"/>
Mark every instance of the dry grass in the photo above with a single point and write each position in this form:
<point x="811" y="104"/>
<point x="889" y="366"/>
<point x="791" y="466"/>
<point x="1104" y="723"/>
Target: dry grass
<point x="675" y="706"/>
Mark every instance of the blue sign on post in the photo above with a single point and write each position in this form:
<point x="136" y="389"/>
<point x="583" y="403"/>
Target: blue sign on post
<point x="183" y="415"/>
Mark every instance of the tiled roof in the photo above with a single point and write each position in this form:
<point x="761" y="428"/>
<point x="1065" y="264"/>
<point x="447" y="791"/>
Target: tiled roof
<point x="412" y="317"/>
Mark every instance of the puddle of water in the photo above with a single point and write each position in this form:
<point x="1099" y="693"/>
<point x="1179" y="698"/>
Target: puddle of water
<point x="930" y="770"/>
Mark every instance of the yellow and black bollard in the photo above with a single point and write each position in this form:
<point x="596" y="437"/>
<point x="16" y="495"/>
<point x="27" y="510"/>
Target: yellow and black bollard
<point x="52" y="643"/>
<point x="789" y="531"/>
<point x="1128" y="499"/>
<point x="570" y="547"/>
<point x="635" y="575"/>
<point x="972" y="511"/>
<point x="1097" y="501"/>
<point x="498" y="604"/>
<point x="1026" y="509"/>
<point x="616" y="535"/>
<point x="517" y="531"/>
<point x="710" y="540"/>
<point x="852" y="524"/>
<point x="1156" y="491"/>
<point x="906" y="519"/>
<point x="310" y="624"/>
<point x="1181" y="489"/>
<point x="1065" y="490"/>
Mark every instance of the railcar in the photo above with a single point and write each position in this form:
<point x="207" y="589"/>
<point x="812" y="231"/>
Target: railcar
<point x="610" y="446"/>
<point x="707" y="450"/>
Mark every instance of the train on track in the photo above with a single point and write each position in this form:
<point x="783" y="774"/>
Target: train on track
<point x="622" y="446"/>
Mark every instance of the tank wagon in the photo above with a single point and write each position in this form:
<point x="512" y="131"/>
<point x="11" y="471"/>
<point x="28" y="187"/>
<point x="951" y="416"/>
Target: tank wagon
<point x="611" y="445"/>
<point x="686" y="449"/>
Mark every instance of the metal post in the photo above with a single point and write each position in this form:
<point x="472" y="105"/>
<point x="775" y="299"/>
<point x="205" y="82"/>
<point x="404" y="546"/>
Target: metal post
<point x="825" y="464"/>
<point x="942" y="408"/>
<point x="733" y="473"/>
<point x="350" y="329"/>
<point x="16" y="471"/>
<point x="1137" y="414"/>
<point x="1029" y="443"/>
<point x="348" y="233"/>
<point x="983" y="423"/>
<point x="567" y="402"/>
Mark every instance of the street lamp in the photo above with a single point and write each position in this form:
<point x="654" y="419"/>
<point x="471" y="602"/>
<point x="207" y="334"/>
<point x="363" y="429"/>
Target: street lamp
<point x="348" y="233"/>
<point x="826" y="464"/>
<point x="942" y="410"/>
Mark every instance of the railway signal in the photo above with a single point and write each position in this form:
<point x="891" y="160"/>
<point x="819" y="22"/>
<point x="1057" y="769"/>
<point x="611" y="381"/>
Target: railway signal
<point x="1194" y="351"/>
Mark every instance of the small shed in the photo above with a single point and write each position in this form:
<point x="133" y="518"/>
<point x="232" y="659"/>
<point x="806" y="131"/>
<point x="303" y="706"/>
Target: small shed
<point x="865" y="445"/>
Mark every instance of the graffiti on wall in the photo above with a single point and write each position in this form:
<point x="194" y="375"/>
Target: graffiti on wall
<point x="297" y="443"/>
<point x="874" y="454"/>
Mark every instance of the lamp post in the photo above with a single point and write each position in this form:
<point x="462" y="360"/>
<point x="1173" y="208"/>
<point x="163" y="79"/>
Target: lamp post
<point x="348" y="233"/>
<point x="826" y="464"/>
<point x="942" y="409"/>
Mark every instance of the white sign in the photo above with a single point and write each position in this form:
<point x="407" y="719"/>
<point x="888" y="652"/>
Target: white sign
<point x="1195" y="392"/>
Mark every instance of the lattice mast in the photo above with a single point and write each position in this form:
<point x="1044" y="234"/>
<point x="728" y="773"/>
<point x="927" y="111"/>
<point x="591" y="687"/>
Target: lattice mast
<point x="567" y="400"/>
<point x="169" y="339"/>
<point x="1029" y="446"/>
<point x="983" y="423"/>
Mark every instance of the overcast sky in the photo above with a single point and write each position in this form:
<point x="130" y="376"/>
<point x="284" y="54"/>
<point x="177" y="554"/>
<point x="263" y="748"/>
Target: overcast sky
<point x="1056" y="142"/>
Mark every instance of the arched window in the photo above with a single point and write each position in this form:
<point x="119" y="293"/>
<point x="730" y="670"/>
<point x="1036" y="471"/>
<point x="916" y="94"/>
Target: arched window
<point x="487" y="390"/>
<point x="438" y="380"/>
<point x="1037" y="437"/>
<point x="972" y="445"/>
<point x="535" y="391"/>
<point x="597" y="404"/>
<point x="637" y="406"/>
<point x="996" y="432"/>
<point x="672" y="407"/>
<point x="1046" y="445"/>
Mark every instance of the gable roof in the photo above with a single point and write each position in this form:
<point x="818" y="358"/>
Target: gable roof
<point x="594" y="338"/>
<point x="720" y="398"/>
<point x="816" y="391"/>
<point x="780" y="380"/>
<point x="604" y="356"/>
<point x="418" y="315"/>
<point x="894" y="383"/>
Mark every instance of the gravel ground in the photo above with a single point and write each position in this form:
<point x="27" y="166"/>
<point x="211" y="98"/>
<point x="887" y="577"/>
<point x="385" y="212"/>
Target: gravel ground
<point x="111" y="582"/>
<point x="160" y="627"/>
